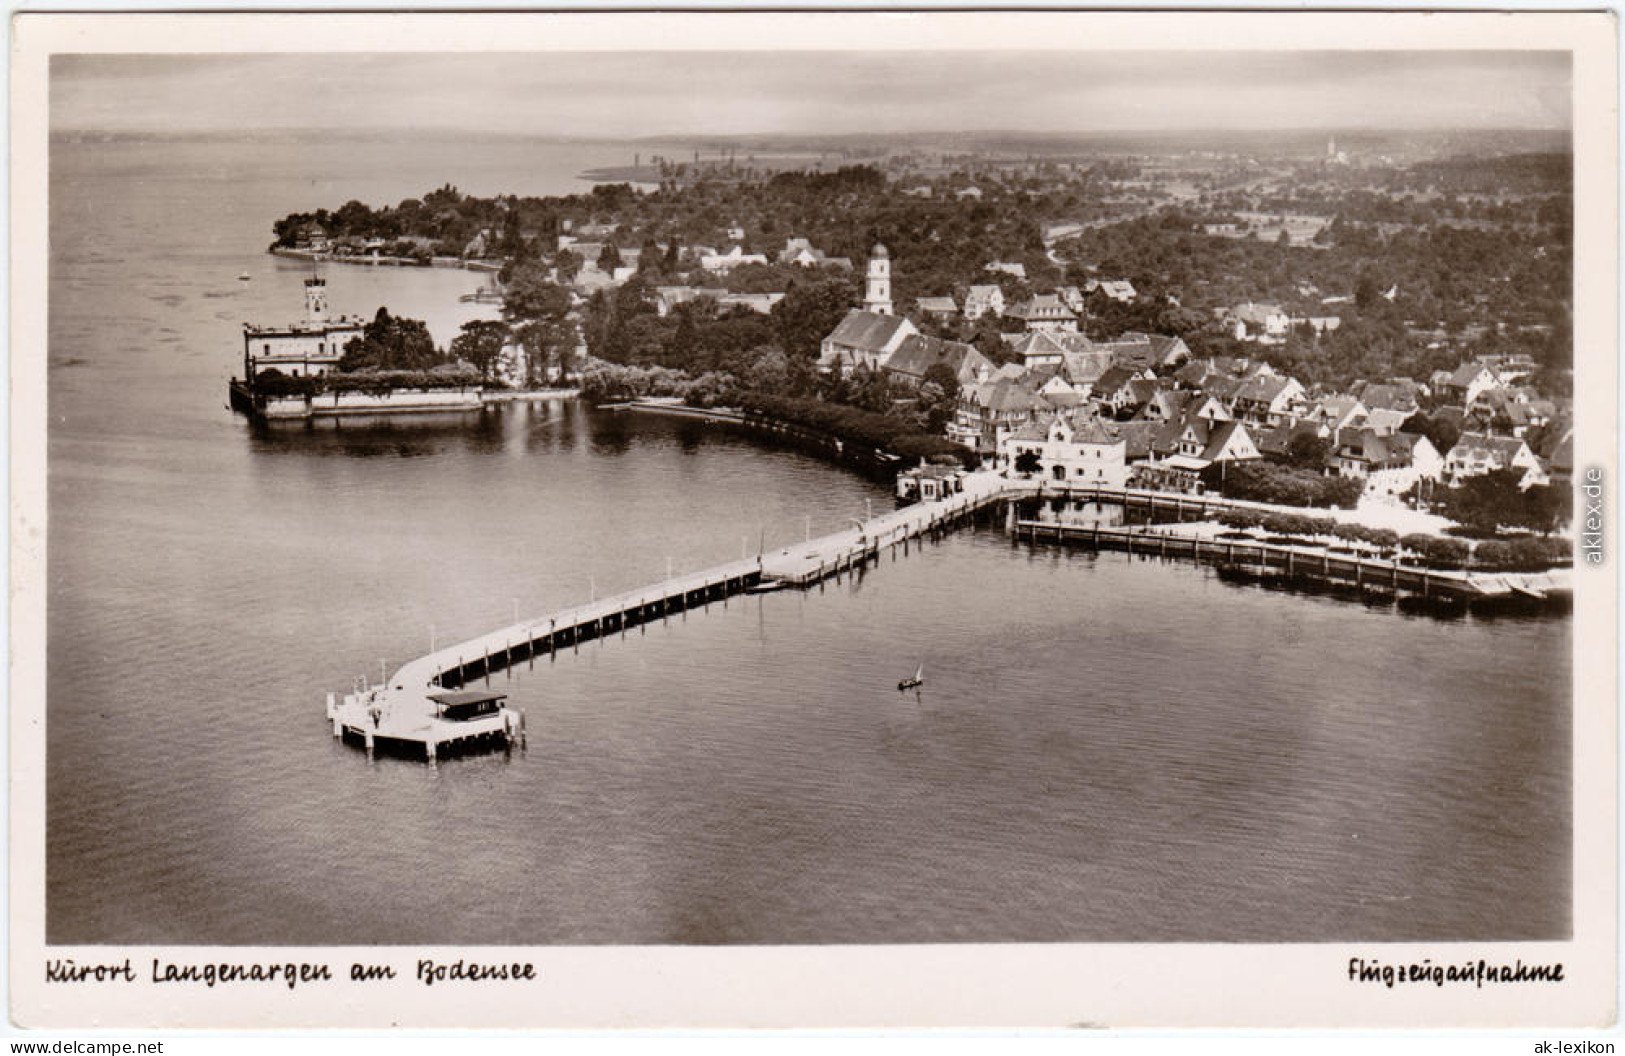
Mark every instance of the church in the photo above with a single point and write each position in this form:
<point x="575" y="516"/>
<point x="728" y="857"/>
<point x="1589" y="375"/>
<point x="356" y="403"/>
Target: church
<point x="869" y="335"/>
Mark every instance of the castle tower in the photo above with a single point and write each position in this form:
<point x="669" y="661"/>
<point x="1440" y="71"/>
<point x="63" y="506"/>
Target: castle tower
<point x="316" y="299"/>
<point x="877" y="299"/>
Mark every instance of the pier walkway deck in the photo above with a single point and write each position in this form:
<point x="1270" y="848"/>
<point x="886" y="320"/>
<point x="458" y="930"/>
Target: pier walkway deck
<point x="403" y="710"/>
<point x="1368" y="571"/>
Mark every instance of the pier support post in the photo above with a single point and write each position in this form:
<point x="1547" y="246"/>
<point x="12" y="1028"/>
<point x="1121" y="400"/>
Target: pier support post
<point x="338" y="727"/>
<point x="330" y="705"/>
<point x="368" y="735"/>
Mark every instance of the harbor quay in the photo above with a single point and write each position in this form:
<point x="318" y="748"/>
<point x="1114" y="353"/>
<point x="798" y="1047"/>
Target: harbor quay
<point x="442" y="701"/>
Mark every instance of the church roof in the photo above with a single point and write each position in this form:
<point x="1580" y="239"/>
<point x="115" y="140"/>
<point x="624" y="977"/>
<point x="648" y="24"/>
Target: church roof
<point x="867" y="331"/>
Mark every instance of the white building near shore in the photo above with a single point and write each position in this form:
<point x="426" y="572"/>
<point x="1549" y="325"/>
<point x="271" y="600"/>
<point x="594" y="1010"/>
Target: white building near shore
<point x="310" y="347"/>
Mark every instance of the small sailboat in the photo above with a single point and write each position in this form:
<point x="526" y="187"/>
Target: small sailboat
<point x="244" y="277"/>
<point x="913" y="683"/>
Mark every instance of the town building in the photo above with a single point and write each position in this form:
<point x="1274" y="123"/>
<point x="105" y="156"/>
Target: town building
<point x="1467" y="383"/>
<point x="733" y="258"/>
<point x="1044" y="312"/>
<point x="802" y="253"/>
<point x="989" y="411"/>
<point x="917" y="353"/>
<point x="940" y="308"/>
<point x="863" y="339"/>
<point x="1266" y="399"/>
<point x="1264" y="323"/>
<point x="1072" y="446"/>
<point x="1390" y="465"/>
<point x="310" y="347"/>
<point x="1476" y="454"/>
<point x="984" y="300"/>
<point x="1120" y="290"/>
<point x="1182" y="449"/>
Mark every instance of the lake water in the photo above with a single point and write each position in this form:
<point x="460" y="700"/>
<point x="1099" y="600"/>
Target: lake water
<point x="1106" y="748"/>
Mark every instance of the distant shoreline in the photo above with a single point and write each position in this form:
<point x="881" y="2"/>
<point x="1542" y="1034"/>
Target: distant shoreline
<point x="621" y="174"/>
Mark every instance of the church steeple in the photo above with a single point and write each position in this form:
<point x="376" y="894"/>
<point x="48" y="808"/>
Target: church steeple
<point x="877" y="297"/>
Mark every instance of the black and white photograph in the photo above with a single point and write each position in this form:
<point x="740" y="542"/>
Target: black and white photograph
<point x="509" y="510"/>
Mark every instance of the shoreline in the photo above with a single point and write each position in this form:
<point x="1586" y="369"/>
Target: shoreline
<point x="376" y="260"/>
<point x="261" y="409"/>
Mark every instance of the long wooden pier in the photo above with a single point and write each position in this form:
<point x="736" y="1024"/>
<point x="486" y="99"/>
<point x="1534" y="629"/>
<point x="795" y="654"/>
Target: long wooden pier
<point x="404" y="710"/>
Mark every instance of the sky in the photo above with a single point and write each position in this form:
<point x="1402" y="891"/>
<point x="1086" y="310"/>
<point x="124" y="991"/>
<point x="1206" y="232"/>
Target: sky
<point x="624" y="94"/>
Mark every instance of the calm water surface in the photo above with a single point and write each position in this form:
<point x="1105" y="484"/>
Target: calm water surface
<point x="1106" y="747"/>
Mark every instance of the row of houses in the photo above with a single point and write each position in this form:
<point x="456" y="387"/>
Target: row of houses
<point x="1175" y="424"/>
<point x="1059" y="310"/>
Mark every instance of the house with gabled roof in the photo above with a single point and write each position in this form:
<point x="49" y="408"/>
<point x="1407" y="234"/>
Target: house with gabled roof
<point x="1043" y="311"/>
<point x="1182" y="448"/>
<point x="983" y="300"/>
<point x="1336" y="412"/>
<point x="1085" y="368"/>
<point x="863" y="339"/>
<point x="1476" y="454"/>
<point x="1390" y="464"/>
<point x="988" y="411"/>
<point x="1156" y="351"/>
<point x="1113" y="391"/>
<point x="1266" y="399"/>
<point x="1468" y="382"/>
<point x="936" y="307"/>
<point x="1164" y="404"/>
<point x="1385" y="420"/>
<point x="917" y="353"/>
<point x="1264" y="323"/>
<point x="1075" y="447"/>
<point x="1400" y="394"/>
<point x="1510" y="368"/>
<point x="1038" y="348"/>
<point x="1120" y="290"/>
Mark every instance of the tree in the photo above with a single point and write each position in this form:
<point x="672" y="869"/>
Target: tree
<point x="532" y="294"/>
<point x="1027" y="463"/>
<point x="568" y="265"/>
<point x="480" y="342"/>
<point x="808" y="313"/>
<point x="609" y="258"/>
<point x="391" y="343"/>
<point x="1305" y="450"/>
